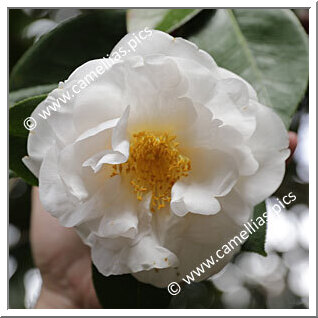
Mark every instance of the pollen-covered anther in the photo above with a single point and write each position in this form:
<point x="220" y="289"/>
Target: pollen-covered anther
<point x="155" y="163"/>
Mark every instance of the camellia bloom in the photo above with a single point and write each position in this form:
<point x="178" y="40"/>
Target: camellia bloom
<point x="159" y="161"/>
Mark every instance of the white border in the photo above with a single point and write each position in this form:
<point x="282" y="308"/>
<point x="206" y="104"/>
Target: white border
<point x="312" y="155"/>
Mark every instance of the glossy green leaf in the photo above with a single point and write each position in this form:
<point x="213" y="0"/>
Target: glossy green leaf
<point x="124" y="291"/>
<point x="166" y="20"/>
<point x="267" y="47"/>
<point x="25" y="93"/>
<point x="58" y="53"/>
<point x="195" y="296"/>
<point x="19" y="112"/>
<point x="17" y="150"/>
<point x="18" y="135"/>
<point x="256" y="241"/>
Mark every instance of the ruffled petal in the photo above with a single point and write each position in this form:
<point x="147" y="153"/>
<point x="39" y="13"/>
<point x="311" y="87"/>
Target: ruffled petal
<point x="213" y="175"/>
<point x="226" y="74"/>
<point x="162" y="43"/>
<point x="81" y="181"/>
<point x="53" y="194"/>
<point x="236" y="207"/>
<point x="207" y="132"/>
<point x="120" y="147"/>
<point x="101" y="98"/>
<point x="120" y="257"/>
<point x="110" y="213"/>
<point x="194" y="239"/>
<point x="269" y="144"/>
<point x="230" y="103"/>
<point x="131" y="254"/>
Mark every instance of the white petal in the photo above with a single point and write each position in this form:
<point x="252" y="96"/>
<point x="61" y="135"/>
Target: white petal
<point x="132" y="254"/>
<point x="269" y="144"/>
<point x="120" y="147"/>
<point x="194" y="239"/>
<point x="102" y="100"/>
<point x="119" y="137"/>
<point x="116" y="257"/>
<point x="81" y="181"/>
<point x="167" y="74"/>
<point x="70" y="171"/>
<point x="111" y="213"/>
<point x="59" y="201"/>
<point x="236" y="207"/>
<point x="207" y="132"/>
<point x="200" y="80"/>
<point x="162" y="43"/>
<point x="58" y="123"/>
<point x="85" y="69"/>
<point x="109" y="124"/>
<point x="193" y="199"/>
<point x="156" y="102"/>
<point x="53" y="193"/>
<point x="39" y="142"/>
<point x="213" y="174"/>
<point x="173" y="115"/>
<point x="226" y="74"/>
<point x="227" y="106"/>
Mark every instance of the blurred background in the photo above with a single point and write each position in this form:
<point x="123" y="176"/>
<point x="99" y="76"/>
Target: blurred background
<point x="280" y="280"/>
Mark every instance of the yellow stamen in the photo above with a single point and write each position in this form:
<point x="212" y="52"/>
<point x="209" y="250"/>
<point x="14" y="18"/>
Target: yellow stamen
<point x="155" y="164"/>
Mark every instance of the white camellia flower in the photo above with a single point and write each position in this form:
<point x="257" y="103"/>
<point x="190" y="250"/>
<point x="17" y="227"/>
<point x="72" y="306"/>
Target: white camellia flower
<point x="159" y="161"/>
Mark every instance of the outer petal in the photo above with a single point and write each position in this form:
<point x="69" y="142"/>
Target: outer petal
<point x="131" y="254"/>
<point x="162" y="43"/>
<point x="60" y="202"/>
<point x="39" y="141"/>
<point x="230" y="104"/>
<point x="194" y="238"/>
<point x="102" y="96"/>
<point x="116" y="257"/>
<point x="53" y="194"/>
<point x="236" y="207"/>
<point x="226" y="74"/>
<point x="269" y="144"/>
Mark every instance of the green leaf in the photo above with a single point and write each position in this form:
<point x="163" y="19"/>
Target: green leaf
<point x="58" y="53"/>
<point x="18" y="136"/>
<point x="166" y="20"/>
<point x="124" y="291"/>
<point x="17" y="150"/>
<point x="19" y="112"/>
<point x="256" y="241"/>
<point x="267" y="47"/>
<point x="195" y="296"/>
<point x="24" y="93"/>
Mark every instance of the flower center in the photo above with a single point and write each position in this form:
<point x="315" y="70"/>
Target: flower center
<point x="155" y="164"/>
